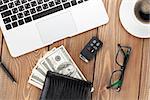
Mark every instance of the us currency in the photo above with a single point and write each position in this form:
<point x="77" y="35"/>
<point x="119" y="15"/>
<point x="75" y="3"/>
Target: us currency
<point x="41" y="65"/>
<point x="38" y="74"/>
<point x="57" y="60"/>
<point x="36" y="79"/>
<point x="60" y="61"/>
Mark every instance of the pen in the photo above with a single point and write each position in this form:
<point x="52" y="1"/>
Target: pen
<point x="7" y="72"/>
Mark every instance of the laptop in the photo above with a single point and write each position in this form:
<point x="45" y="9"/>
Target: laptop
<point x="28" y="25"/>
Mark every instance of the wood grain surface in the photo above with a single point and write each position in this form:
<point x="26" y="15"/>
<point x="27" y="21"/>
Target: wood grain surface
<point x="145" y="72"/>
<point x="112" y="34"/>
<point x="136" y="85"/>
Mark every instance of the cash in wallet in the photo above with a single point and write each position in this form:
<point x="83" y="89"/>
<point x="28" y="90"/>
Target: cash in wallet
<point x="62" y="87"/>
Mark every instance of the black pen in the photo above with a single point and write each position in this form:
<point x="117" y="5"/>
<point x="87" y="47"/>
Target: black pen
<point x="7" y="72"/>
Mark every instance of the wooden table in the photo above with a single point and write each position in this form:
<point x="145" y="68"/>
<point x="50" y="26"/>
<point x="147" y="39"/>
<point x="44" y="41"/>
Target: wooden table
<point x="136" y="85"/>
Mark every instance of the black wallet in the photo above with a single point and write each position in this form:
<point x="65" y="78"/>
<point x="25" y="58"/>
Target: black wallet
<point x="62" y="87"/>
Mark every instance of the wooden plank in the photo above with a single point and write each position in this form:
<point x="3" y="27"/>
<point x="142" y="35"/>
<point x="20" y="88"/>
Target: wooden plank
<point x="20" y="68"/>
<point x="112" y="34"/>
<point x="144" y="93"/>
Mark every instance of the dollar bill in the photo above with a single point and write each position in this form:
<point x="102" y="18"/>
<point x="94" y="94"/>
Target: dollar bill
<point x="61" y="62"/>
<point x="57" y="60"/>
<point x="36" y="79"/>
<point x="40" y="69"/>
<point x="35" y="83"/>
<point x="41" y="65"/>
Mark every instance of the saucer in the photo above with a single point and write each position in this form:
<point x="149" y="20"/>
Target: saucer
<point x="130" y="22"/>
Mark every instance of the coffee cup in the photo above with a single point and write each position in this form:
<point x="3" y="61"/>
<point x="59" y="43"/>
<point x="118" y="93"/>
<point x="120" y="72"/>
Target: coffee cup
<point x="135" y="17"/>
<point x="142" y="11"/>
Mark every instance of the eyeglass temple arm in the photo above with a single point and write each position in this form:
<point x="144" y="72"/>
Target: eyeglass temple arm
<point x="126" y="59"/>
<point x="125" y="54"/>
<point x="124" y="65"/>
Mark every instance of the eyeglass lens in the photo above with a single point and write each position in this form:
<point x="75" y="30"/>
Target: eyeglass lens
<point x="115" y="79"/>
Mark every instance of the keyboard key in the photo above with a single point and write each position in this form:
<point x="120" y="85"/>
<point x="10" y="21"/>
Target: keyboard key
<point x="8" y="26"/>
<point x="57" y="2"/>
<point x="26" y="13"/>
<point x="21" y="22"/>
<point x="46" y="0"/>
<point x="14" y="17"/>
<point x="1" y="2"/>
<point x="67" y="5"/>
<point x="45" y="6"/>
<point x="73" y="2"/>
<point x="20" y="15"/>
<point x="7" y="20"/>
<point x="33" y="3"/>
<point x="14" y="10"/>
<point x="39" y="8"/>
<point x="6" y="13"/>
<point x="23" y="1"/>
<point x="51" y="4"/>
<point x="28" y="19"/>
<point x="47" y="12"/>
<point x="5" y="1"/>
<point x="14" y="24"/>
<point x="21" y="8"/>
<point x="64" y="1"/>
<point x="27" y="6"/>
<point x="17" y="2"/>
<point x="11" y="5"/>
<point x="32" y="11"/>
<point x="40" y="1"/>
<point x="3" y="8"/>
<point x="80" y="1"/>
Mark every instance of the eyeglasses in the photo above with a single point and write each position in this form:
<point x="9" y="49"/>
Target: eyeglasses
<point x="117" y="76"/>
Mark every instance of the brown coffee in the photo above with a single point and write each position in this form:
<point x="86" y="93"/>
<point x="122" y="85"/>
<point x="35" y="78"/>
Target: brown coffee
<point x="142" y="11"/>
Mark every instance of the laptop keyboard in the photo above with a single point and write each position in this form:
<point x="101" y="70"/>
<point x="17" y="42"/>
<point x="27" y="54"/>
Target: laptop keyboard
<point x="19" y="12"/>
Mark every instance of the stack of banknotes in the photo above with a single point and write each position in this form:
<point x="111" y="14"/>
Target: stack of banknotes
<point x="56" y="60"/>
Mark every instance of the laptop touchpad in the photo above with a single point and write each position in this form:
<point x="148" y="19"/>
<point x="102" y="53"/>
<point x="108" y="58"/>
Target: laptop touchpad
<point x="57" y="27"/>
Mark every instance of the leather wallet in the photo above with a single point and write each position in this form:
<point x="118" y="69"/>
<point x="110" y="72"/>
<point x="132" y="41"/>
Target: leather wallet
<point x="62" y="87"/>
